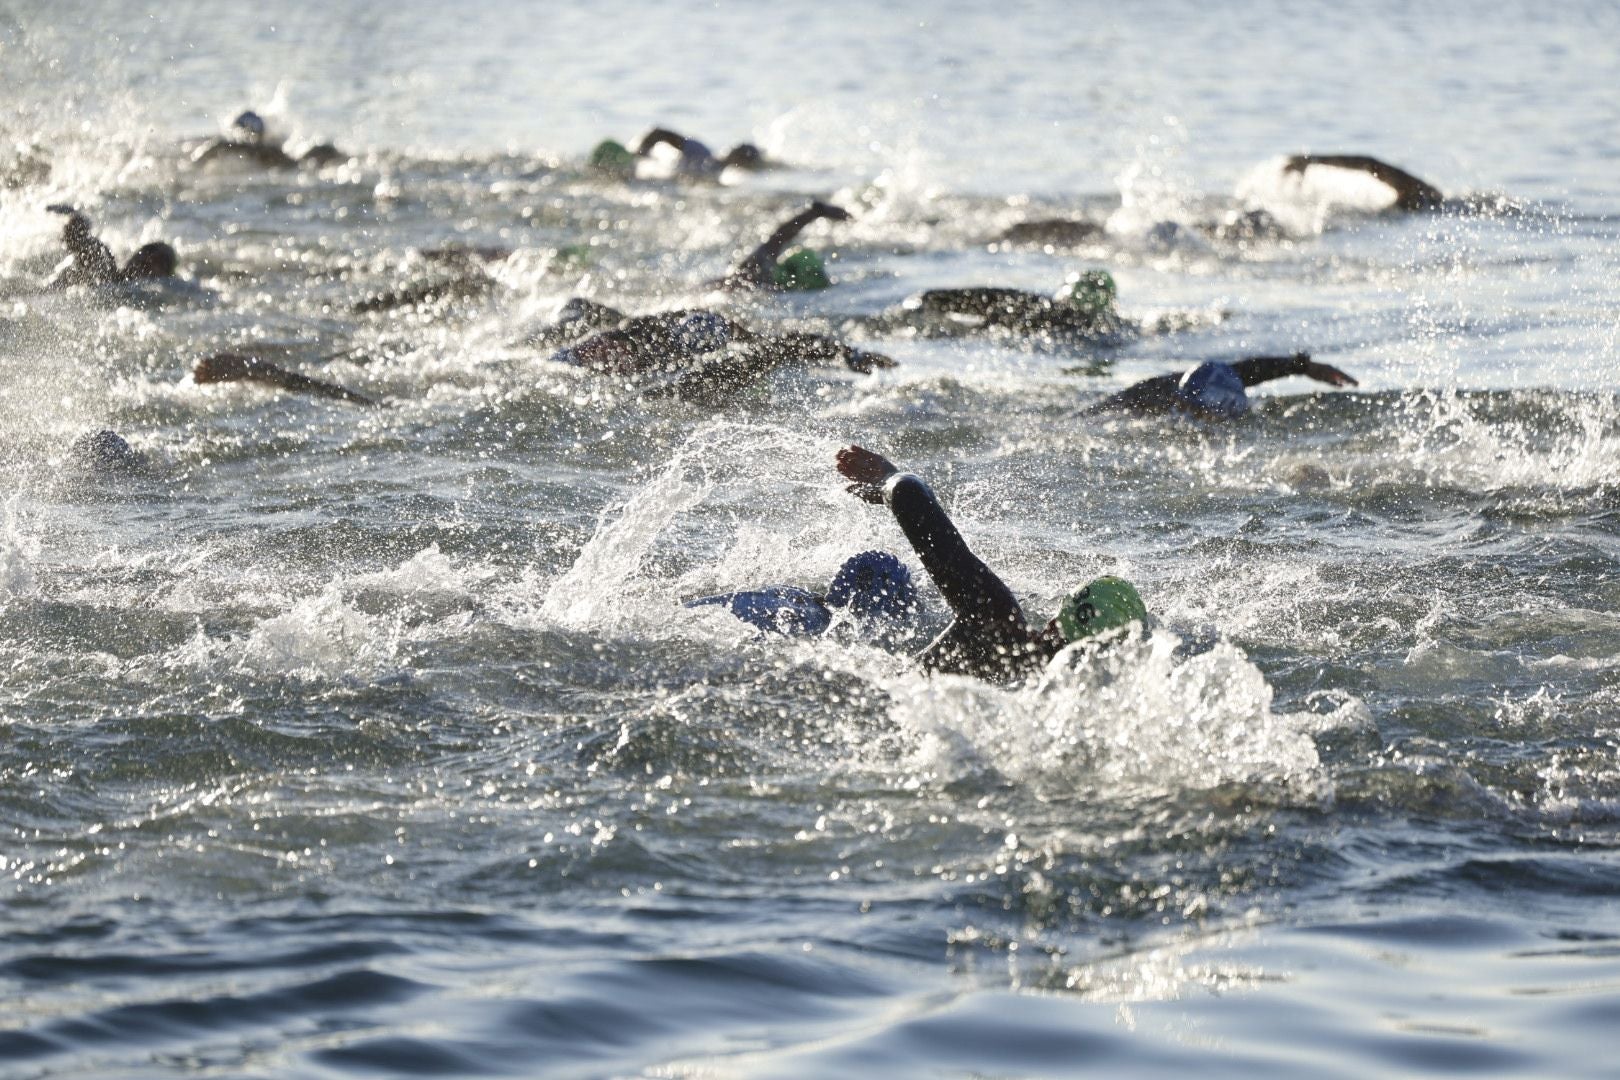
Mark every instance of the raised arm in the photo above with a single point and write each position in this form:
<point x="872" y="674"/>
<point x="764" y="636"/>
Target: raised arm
<point x="789" y="230"/>
<point x="1258" y="369"/>
<point x="238" y="367"/>
<point x="1410" y="192"/>
<point x="973" y="591"/>
<point x="660" y="135"/>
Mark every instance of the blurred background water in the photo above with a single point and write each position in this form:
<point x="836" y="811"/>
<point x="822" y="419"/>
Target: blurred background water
<point x="366" y="742"/>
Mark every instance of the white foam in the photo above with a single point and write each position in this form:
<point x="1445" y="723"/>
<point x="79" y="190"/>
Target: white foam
<point x="19" y="552"/>
<point x="1131" y="718"/>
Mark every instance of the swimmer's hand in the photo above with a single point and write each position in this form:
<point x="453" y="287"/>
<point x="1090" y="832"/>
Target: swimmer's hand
<point x="868" y="469"/>
<point x="1327" y="373"/>
<point x="830" y="212"/>
<point x="60" y="208"/>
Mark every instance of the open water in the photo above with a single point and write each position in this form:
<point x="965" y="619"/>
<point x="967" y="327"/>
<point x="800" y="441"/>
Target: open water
<point x="354" y="743"/>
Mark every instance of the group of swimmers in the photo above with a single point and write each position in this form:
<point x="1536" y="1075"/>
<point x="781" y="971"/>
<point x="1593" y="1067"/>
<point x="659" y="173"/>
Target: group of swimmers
<point x="698" y="352"/>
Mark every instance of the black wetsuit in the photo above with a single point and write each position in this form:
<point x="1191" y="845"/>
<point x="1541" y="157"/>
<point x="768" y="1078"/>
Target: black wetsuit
<point x="989" y="637"/>
<point x="1158" y="394"/>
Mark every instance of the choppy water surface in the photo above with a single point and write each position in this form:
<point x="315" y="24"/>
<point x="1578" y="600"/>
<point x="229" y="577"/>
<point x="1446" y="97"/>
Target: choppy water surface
<point x="374" y="742"/>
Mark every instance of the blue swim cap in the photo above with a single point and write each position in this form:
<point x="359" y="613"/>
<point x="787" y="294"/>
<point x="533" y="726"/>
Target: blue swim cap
<point x="701" y="332"/>
<point x="1214" y="389"/>
<point x="873" y="584"/>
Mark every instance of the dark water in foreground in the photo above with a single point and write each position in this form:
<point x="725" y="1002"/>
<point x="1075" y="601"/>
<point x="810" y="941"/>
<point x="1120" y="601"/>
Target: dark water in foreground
<point x="351" y="742"/>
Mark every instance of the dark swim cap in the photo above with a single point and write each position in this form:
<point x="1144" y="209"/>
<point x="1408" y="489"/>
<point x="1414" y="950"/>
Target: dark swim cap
<point x="1092" y="292"/>
<point x="250" y="123"/>
<point x="873" y="584"/>
<point x="1104" y="604"/>
<point x="613" y="157"/>
<point x="155" y="260"/>
<point x="105" y="451"/>
<point x="801" y="271"/>
<point x="1214" y="389"/>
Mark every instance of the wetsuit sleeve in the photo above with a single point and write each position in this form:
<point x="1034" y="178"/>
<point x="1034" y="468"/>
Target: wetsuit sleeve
<point x="1410" y="192"/>
<point x="1258" y="369"/>
<point x="1148" y="396"/>
<point x="973" y="591"/>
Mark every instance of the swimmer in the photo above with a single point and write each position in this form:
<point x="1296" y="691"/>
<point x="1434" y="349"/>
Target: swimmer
<point x="240" y="367"/>
<point x="767" y="268"/>
<point x="1051" y="232"/>
<point x="873" y="587"/>
<point x="467" y="286"/>
<point x="1411" y="194"/>
<point x="246" y="145"/>
<point x="695" y="353"/>
<point x="989" y="637"/>
<point x="90" y="262"/>
<point x="607" y="341"/>
<point x="1240" y="227"/>
<point x="1083" y="308"/>
<point x="1214" y="390"/>
<point x="697" y="161"/>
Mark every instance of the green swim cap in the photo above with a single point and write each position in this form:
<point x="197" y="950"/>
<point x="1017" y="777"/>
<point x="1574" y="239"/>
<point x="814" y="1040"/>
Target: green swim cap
<point x="1092" y="292"/>
<point x="1105" y="604"/>
<point x="801" y="270"/>
<point x="610" y="156"/>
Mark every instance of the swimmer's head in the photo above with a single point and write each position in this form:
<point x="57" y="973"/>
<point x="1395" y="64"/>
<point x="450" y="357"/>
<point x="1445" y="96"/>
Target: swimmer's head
<point x="250" y="125"/>
<point x="702" y="332"/>
<point x="744" y="156"/>
<point x="1092" y="292"/>
<point x="612" y="157"/>
<point x="105" y="452"/>
<point x="1213" y="389"/>
<point x="1100" y="607"/>
<point x="873" y="584"/>
<point x="155" y="260"/>
<point x="801" y="271"/>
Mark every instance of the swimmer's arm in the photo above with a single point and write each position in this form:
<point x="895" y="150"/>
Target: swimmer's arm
<point x="1410" y="192"/>
<point x="1150" y="395"/>
<point x="805" y="348"/>
<point x="238" y="367"/>
<point x="1258" y="369"/>
<point x="659" y="135"/>
<point x="973" y="591"/>
<point x="757" y="267"/>
<point x="978" y="301"/>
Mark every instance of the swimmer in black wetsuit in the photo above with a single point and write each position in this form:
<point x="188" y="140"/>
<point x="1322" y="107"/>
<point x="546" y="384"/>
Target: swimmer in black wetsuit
<point x="90" y="262"/>
<point x="767" y="268"/>
<point x="1084" y="308"/>
<point x="1411" y="193"/>
<point x="990" y="637"/>
<point x="873" y="587"/>
<point x="1215" y="390"/>
<point x="240" y="367"/>
<point x="697" y="161"/>
<point x="705" y="352"/>
<point x="248" y="146"/>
